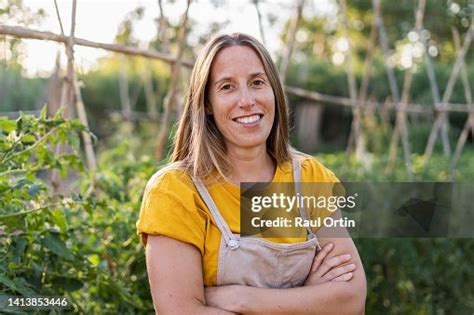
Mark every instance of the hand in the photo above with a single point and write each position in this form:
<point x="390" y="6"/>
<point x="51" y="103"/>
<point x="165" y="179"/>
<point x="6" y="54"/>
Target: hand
<point x="226" y="297"/>
<point x="326" y="269"/>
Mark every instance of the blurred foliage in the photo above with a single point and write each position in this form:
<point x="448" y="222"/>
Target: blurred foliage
<point x="413" y="276"/>
<point x="81" y="244"/>
<point x="18" y="92"/>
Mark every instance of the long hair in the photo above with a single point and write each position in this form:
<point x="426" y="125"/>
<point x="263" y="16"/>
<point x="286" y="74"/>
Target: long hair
<point x="198" y="145"/>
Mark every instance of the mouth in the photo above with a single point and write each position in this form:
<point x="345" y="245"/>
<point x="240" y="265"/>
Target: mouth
<point x="248" y="120"/>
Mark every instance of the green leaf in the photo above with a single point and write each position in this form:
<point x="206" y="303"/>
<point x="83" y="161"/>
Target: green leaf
<point x="28" y="139"/>
<point x="18" y="284"/>
<point x="68" y="283"/>
<point x="44" y="112"/>
<point x="21" y="183"/>
<point x="94" y="260"/>
<point x="19" y="122"/>
<point x="34" y="189"/>
<point x="58" y="218"/>
<point x="6" y="125"/>
<point x="54" y="244"/>
<point x="20" y="246"/>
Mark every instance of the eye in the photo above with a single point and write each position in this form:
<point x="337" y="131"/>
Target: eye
<point x="258" y="82"/>
<point x="225" y="87"/>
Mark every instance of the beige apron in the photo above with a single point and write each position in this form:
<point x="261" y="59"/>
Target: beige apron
<point x="257" y="262"/>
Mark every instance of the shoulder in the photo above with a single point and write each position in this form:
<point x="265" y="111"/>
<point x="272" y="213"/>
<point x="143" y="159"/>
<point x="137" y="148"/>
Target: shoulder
<point x="313" y="170"/>
<point x="171" y="178"/>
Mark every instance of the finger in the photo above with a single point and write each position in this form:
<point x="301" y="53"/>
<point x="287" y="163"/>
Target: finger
<point x="339" y="271"/>
<point x="321" y="255"/>
<point x="331" y="263"/>
<point x="345" y="277"/>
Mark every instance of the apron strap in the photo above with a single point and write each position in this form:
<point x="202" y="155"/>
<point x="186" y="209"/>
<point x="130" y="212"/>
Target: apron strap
<point x="230" y="239"/>
<point x="298" y="190"/>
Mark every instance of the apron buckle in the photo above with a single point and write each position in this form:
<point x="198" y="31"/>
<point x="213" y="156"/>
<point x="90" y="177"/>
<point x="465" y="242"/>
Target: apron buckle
<point x="233" y="244"/>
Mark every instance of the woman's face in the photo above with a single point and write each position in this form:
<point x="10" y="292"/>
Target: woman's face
<point x="241" y="97"/>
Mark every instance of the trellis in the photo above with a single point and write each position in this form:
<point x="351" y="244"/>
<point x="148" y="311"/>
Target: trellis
<point x="358" y="102"/>
<point x="400" y="105"/>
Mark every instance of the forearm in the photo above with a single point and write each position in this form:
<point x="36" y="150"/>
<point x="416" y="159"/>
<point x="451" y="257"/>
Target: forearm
<point x="209" y="310"/>
<point x="325" y="298"/>
<point x="193" y="308"/>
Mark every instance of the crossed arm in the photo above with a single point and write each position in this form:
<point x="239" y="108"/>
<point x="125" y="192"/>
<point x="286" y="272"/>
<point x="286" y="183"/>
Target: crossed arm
<point x="333" y="287"/>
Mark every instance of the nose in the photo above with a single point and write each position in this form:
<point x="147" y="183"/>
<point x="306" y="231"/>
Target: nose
<point x="246" y="100"/>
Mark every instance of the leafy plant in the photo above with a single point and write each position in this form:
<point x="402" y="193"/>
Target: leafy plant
<point x="80" y="244"/>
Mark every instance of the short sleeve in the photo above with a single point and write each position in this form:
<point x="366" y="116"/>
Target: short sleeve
<point x="169" y="209"/>
<point x="315" y="171"/>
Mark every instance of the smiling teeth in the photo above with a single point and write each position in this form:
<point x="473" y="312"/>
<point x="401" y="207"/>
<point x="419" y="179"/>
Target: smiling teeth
<point x="248" y="119"/>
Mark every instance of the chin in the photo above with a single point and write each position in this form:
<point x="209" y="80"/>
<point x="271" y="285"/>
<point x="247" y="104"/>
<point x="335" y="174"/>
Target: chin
<point x="251" y="142"/>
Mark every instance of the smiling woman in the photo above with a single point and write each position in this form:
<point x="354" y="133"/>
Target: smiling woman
<point x="234" y="129"/>
<point x="241" y="98"/>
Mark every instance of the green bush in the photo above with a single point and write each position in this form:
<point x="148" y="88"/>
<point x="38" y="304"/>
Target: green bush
<point x="81" y="245"/>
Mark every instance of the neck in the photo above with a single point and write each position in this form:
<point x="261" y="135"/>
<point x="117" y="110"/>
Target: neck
<point x="251" y="165"/>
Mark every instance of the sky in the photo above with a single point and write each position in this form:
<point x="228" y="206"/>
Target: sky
<point x="99" y="21"/>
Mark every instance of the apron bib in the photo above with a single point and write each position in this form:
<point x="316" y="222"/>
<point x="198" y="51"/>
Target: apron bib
<point x="257" y="262"/>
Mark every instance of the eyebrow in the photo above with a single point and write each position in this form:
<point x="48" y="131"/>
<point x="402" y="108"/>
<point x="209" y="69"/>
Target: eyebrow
<point x="252" y="75"/>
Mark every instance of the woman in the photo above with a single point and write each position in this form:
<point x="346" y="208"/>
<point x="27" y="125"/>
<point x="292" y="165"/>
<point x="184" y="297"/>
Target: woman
<point x="234" y="129"/>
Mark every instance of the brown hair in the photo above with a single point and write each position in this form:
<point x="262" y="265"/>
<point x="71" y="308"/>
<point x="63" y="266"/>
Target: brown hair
<point x="199" y="146"/>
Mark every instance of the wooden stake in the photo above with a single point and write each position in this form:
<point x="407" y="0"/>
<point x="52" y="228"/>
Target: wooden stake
<point x="123" y="89"/>
<point x="447" y="94"/>
<point x="469" y="125"/>
<point x="23" y="32"/>
<point x="384" y="43"/>
<point x="355" y="139"/>
<point x="170" y="99"/>
<point x="435" y="93"/>
<point x="260" y="24"/>
<point x="290" y="41"/>
<point x="401" y="120"/>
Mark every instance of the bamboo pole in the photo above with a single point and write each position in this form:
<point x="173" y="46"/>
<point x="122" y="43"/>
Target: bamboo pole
<point x="368" y="113"/>
<point x="384" y="43"/>
<point x="364" y="85"/>
<point x="346" y="102"/>
<point x="23" y="32"/>
<point x="447" y="94"/>
<point x="86" y="137"/>
<point x="470" y="119"/>
<point x="73" y="92"/>
<point x="63" y="99"/>
<point x="435" y="93"/>
<point x="356" y="135"/>
<point x="150" y="96"/>
<point x="464" y="75"/>
<point x="170" y="98"/>
<point x="259" y="16"/>
<point x="76" y="93"/>
<point x="290" y="41"/>
<point x="401" y="121"/>
<point x="163" y="31"/>
<point x="70" y="58"/>
<point x="123" y="89"/>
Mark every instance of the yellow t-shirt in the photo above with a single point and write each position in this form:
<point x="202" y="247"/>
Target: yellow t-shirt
<point x="172" y="207"/>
